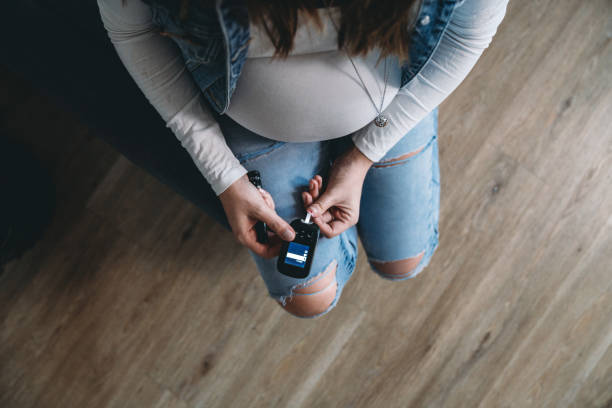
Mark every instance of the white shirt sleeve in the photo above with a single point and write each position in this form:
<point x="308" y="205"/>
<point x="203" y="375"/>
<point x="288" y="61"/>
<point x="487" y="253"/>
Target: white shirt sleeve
<point x="470" y="31"/>
<point x="157" y="66"/>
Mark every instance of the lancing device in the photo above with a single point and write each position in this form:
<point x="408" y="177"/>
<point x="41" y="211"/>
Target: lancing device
<point x="261" y="228"/>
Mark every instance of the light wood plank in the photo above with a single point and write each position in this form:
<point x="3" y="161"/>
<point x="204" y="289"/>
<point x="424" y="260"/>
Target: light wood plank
<point x="135" y="298"/>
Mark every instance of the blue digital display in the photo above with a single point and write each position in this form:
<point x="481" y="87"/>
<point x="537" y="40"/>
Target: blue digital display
<point x="296" y="254"/>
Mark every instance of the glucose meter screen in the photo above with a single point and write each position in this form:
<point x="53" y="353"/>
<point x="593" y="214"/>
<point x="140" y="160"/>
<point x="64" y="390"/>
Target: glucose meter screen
<point x="296" y="254"/>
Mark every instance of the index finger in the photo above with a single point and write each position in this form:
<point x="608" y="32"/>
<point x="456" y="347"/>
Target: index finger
<point x="331" y="229"/>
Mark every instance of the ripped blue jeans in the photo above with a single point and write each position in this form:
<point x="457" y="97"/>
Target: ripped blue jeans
<point x="399" y="207"/>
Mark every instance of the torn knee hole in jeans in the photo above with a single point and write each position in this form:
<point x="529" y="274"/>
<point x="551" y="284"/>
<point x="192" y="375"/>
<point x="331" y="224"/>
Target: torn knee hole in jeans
<point x="398" y="267"/>
<point x="397" y="160"/>
<point x="313" y="286"/>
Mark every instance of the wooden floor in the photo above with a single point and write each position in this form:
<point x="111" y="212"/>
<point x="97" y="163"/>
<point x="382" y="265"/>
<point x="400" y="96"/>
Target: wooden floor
<point x="126" y="300"/>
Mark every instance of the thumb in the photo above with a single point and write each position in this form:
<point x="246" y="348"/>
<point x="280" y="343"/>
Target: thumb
<point x="276" y="223"/>
<point x="321" y="205"/>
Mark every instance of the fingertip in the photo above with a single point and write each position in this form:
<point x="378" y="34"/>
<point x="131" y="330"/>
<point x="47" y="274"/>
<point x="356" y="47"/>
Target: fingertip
<point x="322" y="225"/>
<point x="327" y="233"/>
<point x="308" y="200"/>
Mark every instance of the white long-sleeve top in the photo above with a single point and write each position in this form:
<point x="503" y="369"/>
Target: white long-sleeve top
<point x="332" y="102"/>
<point x="315" y="94"/>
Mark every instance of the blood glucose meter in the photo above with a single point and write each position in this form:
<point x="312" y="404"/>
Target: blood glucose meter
<point x="295" y="257"/>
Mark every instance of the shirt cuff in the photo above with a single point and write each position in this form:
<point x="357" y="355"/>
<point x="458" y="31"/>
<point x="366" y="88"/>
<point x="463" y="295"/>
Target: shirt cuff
<point x="374" y="141"/>
<point x="227" y="177"/>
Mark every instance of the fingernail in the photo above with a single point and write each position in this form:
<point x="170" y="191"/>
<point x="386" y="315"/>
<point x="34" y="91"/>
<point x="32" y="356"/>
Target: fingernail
<point x="287" y="235"/>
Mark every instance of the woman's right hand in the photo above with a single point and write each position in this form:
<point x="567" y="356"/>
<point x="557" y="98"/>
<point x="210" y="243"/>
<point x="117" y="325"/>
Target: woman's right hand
<point x="244" y="206"/>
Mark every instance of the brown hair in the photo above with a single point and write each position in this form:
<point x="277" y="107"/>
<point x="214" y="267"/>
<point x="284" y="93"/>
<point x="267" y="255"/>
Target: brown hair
<point x="364" y="24"/>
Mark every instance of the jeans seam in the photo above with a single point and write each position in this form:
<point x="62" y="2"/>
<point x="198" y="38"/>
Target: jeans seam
<point x="254" y="155"/>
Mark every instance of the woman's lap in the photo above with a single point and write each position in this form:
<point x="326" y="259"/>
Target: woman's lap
<point x="399" y="204"/>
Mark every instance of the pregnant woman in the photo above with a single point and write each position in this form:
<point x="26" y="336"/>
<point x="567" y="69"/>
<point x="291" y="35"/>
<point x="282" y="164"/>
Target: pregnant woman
<point x="334" y="102"/>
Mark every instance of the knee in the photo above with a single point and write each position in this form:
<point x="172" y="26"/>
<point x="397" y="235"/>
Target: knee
<point x="397" y="269"/>
<point x="315" y="296"/>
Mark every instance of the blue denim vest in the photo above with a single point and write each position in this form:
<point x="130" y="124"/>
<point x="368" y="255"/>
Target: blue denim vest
<point x="214" y="41"/>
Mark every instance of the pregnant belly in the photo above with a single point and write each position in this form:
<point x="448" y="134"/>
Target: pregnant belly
<point x="311" y="97"/>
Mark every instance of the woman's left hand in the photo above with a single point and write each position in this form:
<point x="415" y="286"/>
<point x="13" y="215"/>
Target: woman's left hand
<point x="337" y="208"/>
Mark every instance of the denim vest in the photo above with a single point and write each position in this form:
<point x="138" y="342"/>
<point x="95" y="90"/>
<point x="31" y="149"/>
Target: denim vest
<point x="214" y="41"/>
